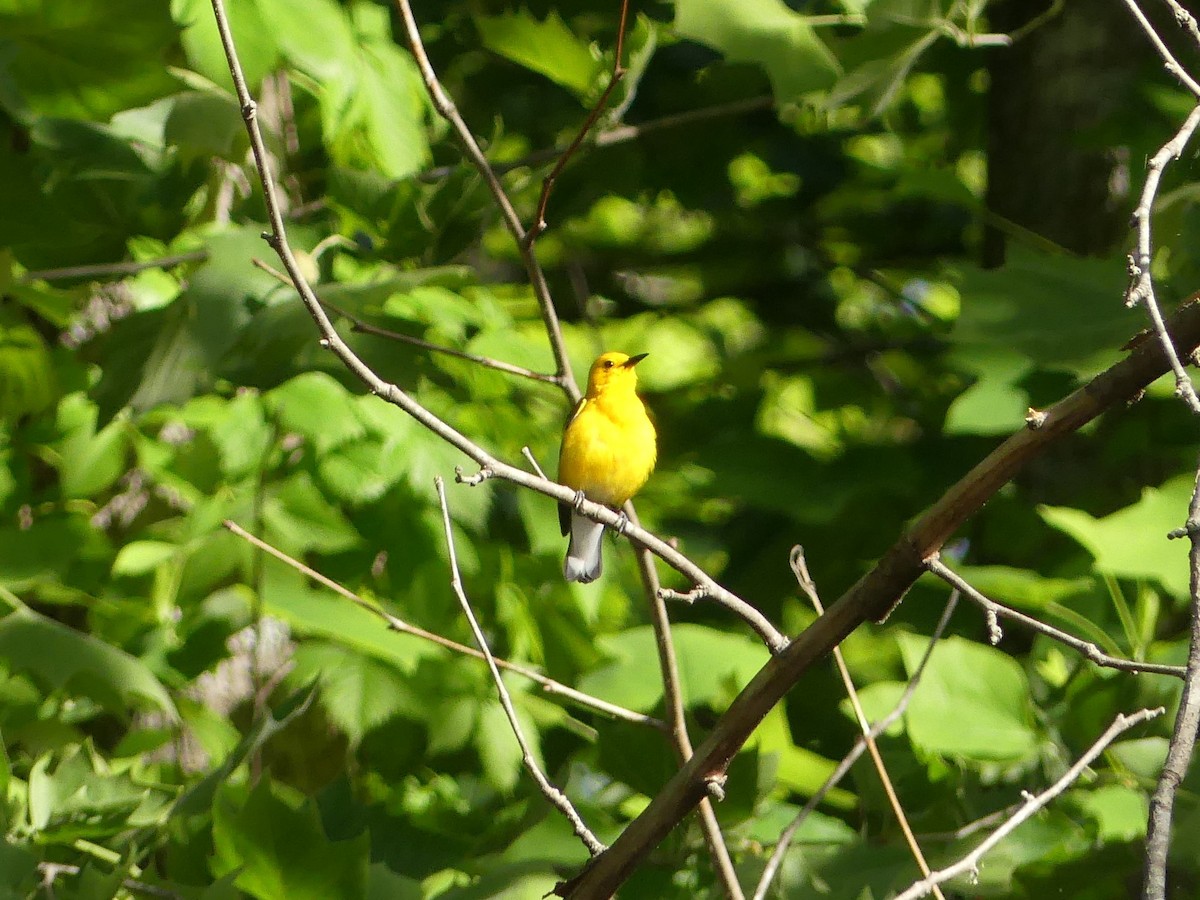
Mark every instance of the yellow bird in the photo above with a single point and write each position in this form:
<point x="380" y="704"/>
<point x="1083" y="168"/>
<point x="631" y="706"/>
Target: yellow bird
<point x="608" y="451"/>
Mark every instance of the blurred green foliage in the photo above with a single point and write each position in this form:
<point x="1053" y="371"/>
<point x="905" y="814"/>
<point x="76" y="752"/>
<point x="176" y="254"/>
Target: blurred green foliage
<point x="826" y="358"/>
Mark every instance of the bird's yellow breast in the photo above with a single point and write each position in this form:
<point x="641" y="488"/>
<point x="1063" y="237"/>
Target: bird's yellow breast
<point x="609" y="448"/>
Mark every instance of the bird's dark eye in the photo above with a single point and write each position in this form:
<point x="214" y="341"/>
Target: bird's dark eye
<point x="608" y="364"/>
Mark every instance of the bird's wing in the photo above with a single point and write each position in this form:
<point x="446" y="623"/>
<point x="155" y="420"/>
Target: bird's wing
<point x="564" y="511"/>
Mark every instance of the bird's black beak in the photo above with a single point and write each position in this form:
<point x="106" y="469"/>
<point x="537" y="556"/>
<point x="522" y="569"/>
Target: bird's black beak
<point x="634" y="360"/>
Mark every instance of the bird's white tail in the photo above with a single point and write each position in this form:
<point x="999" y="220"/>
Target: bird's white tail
<point x="584" y="561"/>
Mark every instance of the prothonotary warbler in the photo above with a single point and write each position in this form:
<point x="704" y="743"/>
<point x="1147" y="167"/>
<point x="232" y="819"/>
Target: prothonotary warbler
<point x="608" y="451"/>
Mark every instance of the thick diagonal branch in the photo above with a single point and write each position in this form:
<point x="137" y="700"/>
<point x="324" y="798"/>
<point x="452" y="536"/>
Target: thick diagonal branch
<point x="873" y="598"/>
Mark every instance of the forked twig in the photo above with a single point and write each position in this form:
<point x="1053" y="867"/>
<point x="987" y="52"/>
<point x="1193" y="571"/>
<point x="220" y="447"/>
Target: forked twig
<point x="675" y="710"/>
<point x="618" y="72"/>
<point x="1087" y="648"/>
<point x="332" y="341"/>
<point x="549" y="685"/>
<point x="364" y="327"/>
<point x="537" y="278"/>
<point x="1142" y="288"/>
<point x="1183" y="736"/>
<point x="860" y="747"/>
<point x="804" y="579"/>
<point x="1032" y="804"/>
<point x="549" y="791"/>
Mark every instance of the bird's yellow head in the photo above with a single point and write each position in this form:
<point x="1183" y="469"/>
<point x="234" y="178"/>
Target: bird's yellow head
<point x="613" y="371"/>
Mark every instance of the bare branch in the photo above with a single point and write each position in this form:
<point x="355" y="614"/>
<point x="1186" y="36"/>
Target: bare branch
<point x="528" y="454"/>
<point x="52" y="871"/>
<point x="537" y="278"/>
<point x="489" y="466"/>
<point x="115" y="270"/>
<point x="549" y="685"/>
<point x="800" y="569"/>
<point x="621" y="134"/>
<point x="674" y="704"/>
<point x="873" y="596"/>
<point x="618" y="72"/>
<point x="1141" y="290"/>
<point x="788" y="834"/>
<point x="1183" y="737"/>
<point x="1170" y="63"/>
<point x="1032" y="804"/>
<point x="1185" y="20"/>
<point x="364" y="327"/>
<point x="1087" y="648"/>
<point x="549" y="791"/>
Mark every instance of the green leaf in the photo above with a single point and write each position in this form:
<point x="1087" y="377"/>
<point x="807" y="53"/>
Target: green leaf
<point x="28" y="382"/>
<point x="973" y="702"/>
<point x="317" y="612"/>
<point x="994" y="404"/>
<point x="279" y="849"/>
<point x="372" y="101"/>
<point x="42" y="551"/>
<point x="299" y="518"/>
<point x="89" y="461"/>
<point x="713" y="665"/>
<point x="142" y="557"/>
<point x="203" y="124"/>
<point x="357" y="692"/>
<point x="81" y="664"/>
<point x="766" y="33"/>
<point x="50" y="66"/>
<point x="256" y="45"/>
<point x="547" y="47"/>
<point x="1132" y="542"/>
<point x="317" y="408"/>
<point x="1119" y="811"/>
<point x="877" y="62"/>
<point x="1049" y="309"/>
<point x="75" y="796"/>
<point x="200" y="795"/>
<point x="498" y="748"/>
<point x="1021" y="587"/>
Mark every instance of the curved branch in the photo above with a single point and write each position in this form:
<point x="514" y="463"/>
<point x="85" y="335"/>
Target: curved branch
<point x="873" y="597"/>
<point x="537" y="278"/>
<point x="489" y="465"/>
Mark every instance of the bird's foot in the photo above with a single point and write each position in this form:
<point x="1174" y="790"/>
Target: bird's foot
<point x="622" y="523"/>
<point x="578" y="501"/>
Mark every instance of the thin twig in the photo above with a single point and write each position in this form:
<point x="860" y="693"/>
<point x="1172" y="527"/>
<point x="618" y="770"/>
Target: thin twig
<point x="860" y="746"/>
<point x="1032" y="804"/>
<point x="364" y="327"/>
<point x="1170" y="63"/>
<point x="619" y="134"/>
<point x="1185" y="20"/>
<point x="488" y="464"/>
<point x="549" y="791"/>
<point x="675" y="710"/>
<point x="804" y="579"/>
<point x="537" y="278"/>
<point x="1087" y="648"/>
<point x="1183" y="738"/>
<point x="1141" y="290"/>
<point x="971" y="827"/>
<point x="51" y="871"/>
<point x="873" y="597"/>
<point x="618" y="72"/>
<point x="528" y="454"/>
<point x="549" y="685"/>
<point x="104" y="270"/>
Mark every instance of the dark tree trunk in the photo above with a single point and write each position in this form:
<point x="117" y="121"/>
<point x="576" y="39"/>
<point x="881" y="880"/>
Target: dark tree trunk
<point x="1054" y="164"/>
